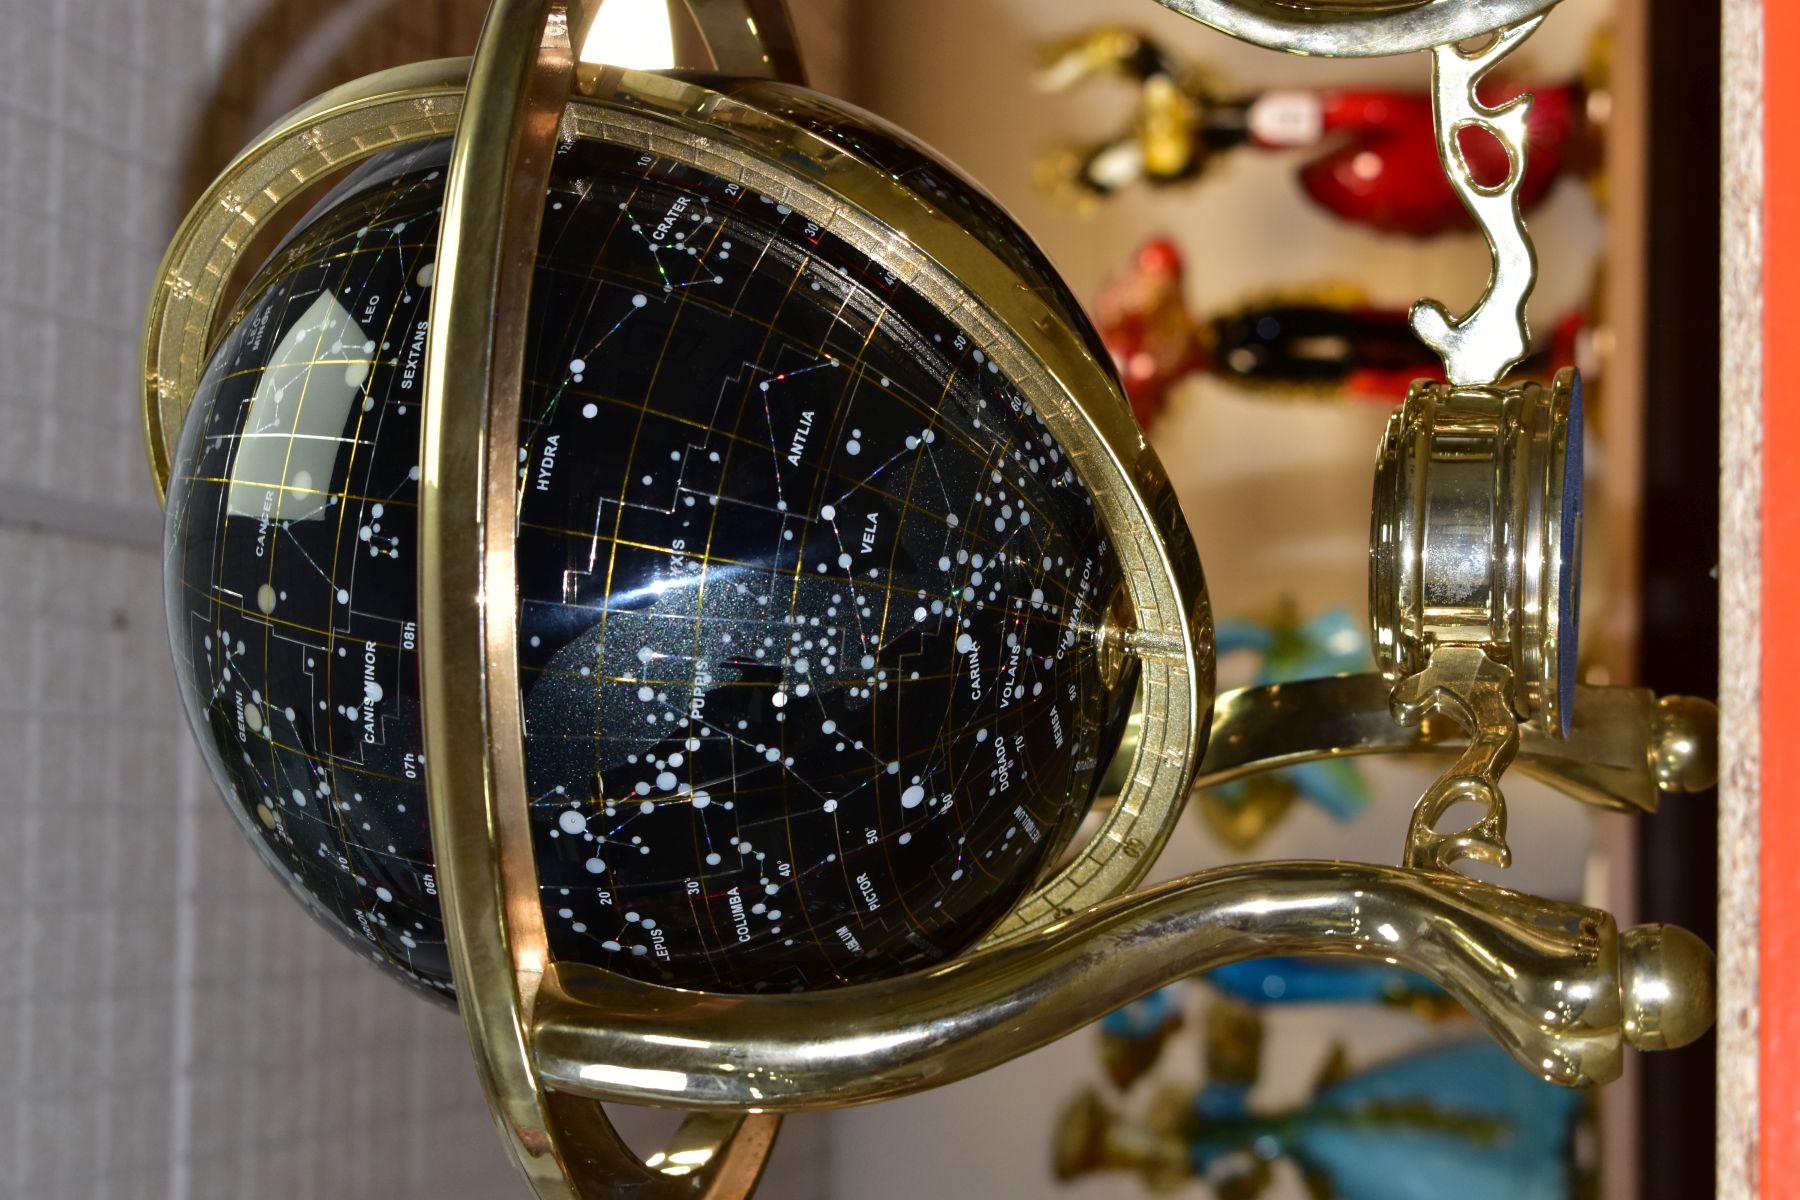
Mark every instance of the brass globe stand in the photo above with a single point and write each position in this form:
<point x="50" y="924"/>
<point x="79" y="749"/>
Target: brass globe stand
<point x="1558" y="984"/>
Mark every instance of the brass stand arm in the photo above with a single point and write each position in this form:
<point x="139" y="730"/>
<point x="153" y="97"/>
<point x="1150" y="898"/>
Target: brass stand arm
<point x="1624" y="745"/>
<point x="1357" y="30"/>
<point x="1555" y="983"/>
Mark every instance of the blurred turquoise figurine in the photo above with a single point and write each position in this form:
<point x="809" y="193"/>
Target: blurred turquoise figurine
<point x="1286" y="648"/>
<point x="1458" y="1119"/>
<point x="1132" y="1037"/>
<point x="1298" y="980"/>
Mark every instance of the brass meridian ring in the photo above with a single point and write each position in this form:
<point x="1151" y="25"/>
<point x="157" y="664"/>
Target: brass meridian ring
<point x="1338" y="30"/>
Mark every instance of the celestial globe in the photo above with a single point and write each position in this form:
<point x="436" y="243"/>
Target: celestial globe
<point x="659" y="560"/>
<point x="811" y="602"/>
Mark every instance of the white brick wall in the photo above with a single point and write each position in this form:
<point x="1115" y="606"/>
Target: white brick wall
<point x="171" y="1024"/>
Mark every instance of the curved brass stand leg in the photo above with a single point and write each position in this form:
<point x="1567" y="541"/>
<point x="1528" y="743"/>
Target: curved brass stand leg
<point x="1623" y="748"/>
<point x="712" y="1156"/>
<point x="1549" y="980"/>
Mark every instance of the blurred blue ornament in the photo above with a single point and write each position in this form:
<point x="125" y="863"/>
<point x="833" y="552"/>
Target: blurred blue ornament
<point x="1300" y="980"/>
<point x="1331" y="643"/>
<point x="1460" y="1119"/>
<point x="1132" y="1037"/>
<point x="1286" y="648"/>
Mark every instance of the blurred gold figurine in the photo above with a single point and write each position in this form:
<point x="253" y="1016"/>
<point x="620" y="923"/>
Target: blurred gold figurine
<point x="1375" y="160"/>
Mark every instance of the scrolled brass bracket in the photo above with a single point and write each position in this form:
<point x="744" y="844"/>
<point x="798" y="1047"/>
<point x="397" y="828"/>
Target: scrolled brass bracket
<point x="1480" y="346"/>
<point x="1463" y="683"/>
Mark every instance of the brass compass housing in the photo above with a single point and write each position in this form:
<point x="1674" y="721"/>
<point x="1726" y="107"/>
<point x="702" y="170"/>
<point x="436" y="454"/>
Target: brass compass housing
<point x="1475" y="535"/>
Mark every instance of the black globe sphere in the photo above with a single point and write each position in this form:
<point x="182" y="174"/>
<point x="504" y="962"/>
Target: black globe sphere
<point x="807" y="593"/>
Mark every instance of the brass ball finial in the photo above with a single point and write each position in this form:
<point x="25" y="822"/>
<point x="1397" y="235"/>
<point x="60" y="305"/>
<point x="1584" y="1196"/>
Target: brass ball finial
<point x="1684" y="744"/>
<point x="1667" y="985"/>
